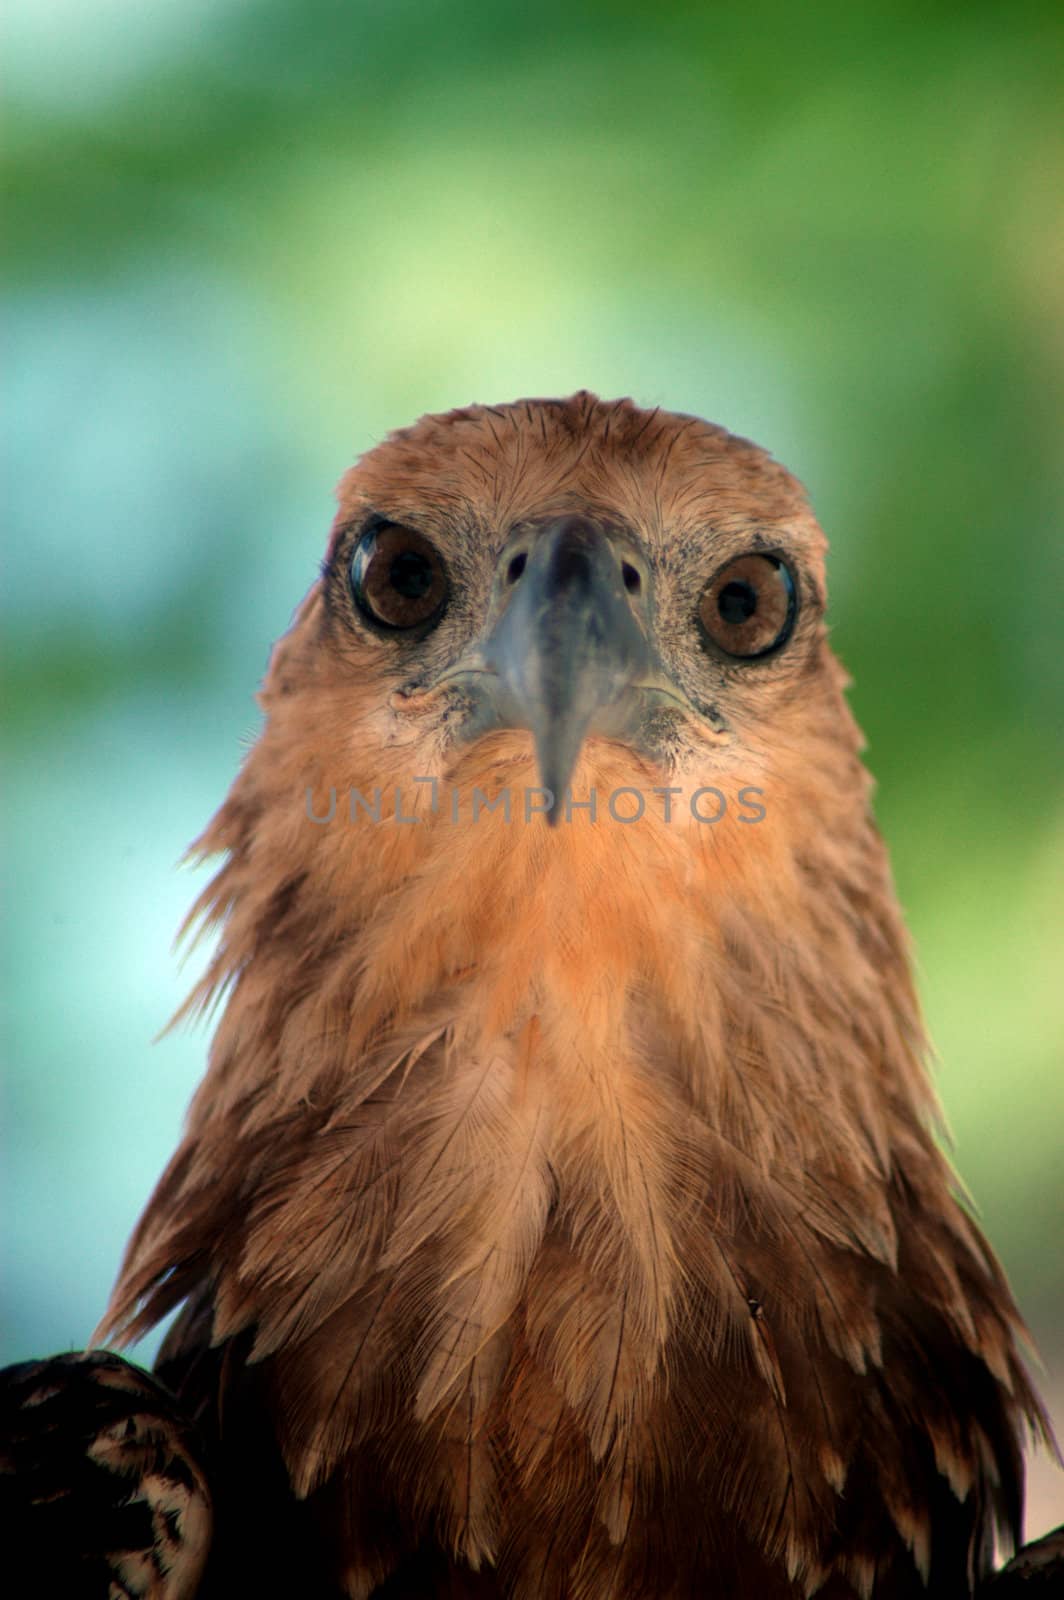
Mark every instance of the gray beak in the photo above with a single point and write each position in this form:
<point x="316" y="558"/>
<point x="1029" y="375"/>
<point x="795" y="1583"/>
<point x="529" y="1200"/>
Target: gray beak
<point x="565" y="652"/>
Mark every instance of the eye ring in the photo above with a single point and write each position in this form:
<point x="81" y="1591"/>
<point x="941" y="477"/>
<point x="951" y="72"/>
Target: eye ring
<point x="748" y="609"/>
<point x="398" y="579"/>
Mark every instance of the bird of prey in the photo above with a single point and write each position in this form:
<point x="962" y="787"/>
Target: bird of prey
<point x="561" y="1216"/>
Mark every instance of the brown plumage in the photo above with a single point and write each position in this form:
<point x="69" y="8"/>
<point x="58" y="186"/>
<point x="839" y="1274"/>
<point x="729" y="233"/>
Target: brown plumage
<point x="561" y="1213"/>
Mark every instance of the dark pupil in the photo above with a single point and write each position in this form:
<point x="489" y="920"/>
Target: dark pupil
<point x="410" y="575"/>
<point x="737" y="602"/>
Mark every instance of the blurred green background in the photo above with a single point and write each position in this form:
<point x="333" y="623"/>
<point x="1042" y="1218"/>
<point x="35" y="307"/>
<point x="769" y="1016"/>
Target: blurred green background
<point x="247" y="239"/>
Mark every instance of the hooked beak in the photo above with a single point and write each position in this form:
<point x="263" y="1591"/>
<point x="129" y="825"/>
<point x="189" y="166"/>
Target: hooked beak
<point x="567" y="656"/>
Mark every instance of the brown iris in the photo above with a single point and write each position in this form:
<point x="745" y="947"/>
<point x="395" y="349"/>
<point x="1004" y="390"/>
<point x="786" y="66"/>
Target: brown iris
<point x="398" y="578"/>
<point x="749" y="607"/>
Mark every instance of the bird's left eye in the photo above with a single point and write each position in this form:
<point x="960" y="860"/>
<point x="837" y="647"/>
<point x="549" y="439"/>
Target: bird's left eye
<point x="398" y="578"/>
<point x="749" y="607"/>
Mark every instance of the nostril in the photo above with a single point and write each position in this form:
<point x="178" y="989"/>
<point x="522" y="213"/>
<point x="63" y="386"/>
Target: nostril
<point x="632" y="580"/>
<point x="516" y="567"/>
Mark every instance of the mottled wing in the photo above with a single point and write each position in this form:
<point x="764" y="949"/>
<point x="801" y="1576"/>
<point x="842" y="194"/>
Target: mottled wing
<point x="102" y="1486"/>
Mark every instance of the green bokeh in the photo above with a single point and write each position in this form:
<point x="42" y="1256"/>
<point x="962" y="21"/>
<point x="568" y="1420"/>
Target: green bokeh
<point x="245" y="240"/>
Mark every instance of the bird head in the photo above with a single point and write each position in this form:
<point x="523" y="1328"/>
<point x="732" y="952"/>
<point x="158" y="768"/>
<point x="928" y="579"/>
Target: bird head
<point x="574" y="594"/>
<point x="580" y="572"/>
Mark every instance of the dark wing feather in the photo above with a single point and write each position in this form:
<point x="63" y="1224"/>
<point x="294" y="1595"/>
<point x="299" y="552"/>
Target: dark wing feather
<point x="103" y="1490"/>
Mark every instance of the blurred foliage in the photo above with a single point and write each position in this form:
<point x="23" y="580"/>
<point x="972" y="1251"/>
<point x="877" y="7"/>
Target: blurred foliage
<point x="246" y="239"/>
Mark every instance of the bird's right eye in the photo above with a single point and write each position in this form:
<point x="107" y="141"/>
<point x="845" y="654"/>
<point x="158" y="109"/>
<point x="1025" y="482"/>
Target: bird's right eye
<point x="398" y="578"/>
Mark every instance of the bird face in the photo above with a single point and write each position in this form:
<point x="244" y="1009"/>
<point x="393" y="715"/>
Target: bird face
<point x="612" y="582"/>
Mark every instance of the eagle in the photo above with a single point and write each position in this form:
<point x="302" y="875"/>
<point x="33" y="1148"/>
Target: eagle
<point x="563" y="1213"/>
